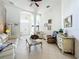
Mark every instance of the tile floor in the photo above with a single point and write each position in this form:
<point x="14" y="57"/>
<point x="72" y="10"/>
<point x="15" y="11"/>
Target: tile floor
<point x="49" y="51"/>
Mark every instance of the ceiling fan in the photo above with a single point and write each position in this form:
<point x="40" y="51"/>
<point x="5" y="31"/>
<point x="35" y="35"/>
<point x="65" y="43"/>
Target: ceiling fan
<point x="35" y="2"/>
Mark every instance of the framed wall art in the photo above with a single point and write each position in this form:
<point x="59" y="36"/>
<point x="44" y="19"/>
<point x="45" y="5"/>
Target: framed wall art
<point x="49" y="21"/>
<point x="68" y="21"/>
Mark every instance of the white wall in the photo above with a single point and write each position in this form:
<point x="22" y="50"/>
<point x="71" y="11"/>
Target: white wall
<point x="2" y="12"/>
<point x="71" y="7"/>
<point x="13" y="17"/>
<point x="54" y="13"/>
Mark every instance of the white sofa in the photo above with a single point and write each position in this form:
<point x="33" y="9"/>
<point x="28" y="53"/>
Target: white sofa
<point x="8" y="52"/>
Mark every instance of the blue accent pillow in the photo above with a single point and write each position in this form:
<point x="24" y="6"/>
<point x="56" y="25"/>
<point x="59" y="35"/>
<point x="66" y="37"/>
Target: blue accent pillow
<point x="54" y="33"/>
<point x="4" y="46"/>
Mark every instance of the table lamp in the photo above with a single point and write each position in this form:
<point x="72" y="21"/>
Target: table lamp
<point x="8" y="30"/>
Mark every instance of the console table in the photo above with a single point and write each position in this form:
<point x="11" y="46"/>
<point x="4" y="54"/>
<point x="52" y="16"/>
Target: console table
<point x="66" y="43"/>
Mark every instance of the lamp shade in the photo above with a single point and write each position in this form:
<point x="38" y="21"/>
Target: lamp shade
<point x="7" y="30"/>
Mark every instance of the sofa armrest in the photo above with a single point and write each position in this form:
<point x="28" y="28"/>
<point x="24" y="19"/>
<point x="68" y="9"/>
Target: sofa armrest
<point x="7" y="51"/>
<point x="8" y="48"/>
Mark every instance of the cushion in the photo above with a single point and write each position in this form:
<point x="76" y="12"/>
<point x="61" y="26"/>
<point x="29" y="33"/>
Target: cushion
<point x="34" y="37"/>
<point x="3" y="37"/>
<point x="0" y="41"/>
<point x="2" y="47"/>
<point x="54" y="34"/>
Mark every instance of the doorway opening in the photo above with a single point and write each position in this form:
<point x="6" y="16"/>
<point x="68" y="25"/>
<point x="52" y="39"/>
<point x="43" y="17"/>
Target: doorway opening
<point x="28" y="24"/>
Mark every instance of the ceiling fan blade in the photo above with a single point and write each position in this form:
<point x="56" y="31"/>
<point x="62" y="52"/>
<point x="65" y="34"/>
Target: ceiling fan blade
<point x="31" y="4"/>
<point x="36" y="4"/>
<point x="36" y="0"/>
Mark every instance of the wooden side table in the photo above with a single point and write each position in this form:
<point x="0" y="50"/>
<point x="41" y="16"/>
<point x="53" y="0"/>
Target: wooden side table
<point x="50" y="39"/>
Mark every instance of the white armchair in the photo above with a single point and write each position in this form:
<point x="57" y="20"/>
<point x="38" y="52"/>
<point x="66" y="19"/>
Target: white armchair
<point x="32" y="42"/>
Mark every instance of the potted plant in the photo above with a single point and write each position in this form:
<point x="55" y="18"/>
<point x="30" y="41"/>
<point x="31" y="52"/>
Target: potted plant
<point x="60" y="30"/>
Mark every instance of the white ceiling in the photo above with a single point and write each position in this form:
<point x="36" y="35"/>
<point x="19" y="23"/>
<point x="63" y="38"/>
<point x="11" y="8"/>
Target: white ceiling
<point x="25" y="4"/>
